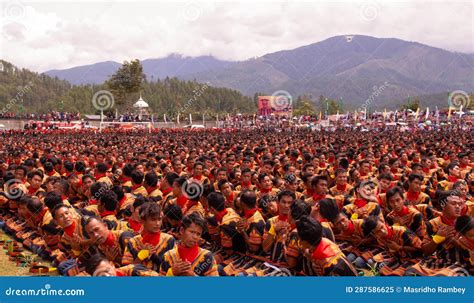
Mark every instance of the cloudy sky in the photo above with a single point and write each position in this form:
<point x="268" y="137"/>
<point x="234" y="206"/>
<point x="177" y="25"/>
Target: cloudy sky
<point x="43" y="35"/>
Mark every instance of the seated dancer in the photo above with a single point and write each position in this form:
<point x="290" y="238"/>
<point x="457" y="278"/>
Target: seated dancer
<point x="73" y="240"/>
<point x="35" y="179"/>
<point x="319" y="185"/>
<point x="465" y="228"/>
<point x="42" y="220"/>
<point x="278" y="228"/>
<point x="225" y="187"/>
<point x="111" y="243"/>
<point x="440" y="246"/>
<point x="253" y="225"/>
<point x="341" y="188"/>
<point x="404" y="215"/>
<point x="193" y="191"/>
<point x="265" y="186"/>
<point x="107" y="207"/>
<point x="74" y="243"/>
<point x="197" y="175"/>
<point x="151" y="244"/>
<point x="324" y="255"/>
<point x="291" y="184"/>
<point x="166" y="187"/>
<point x="99" y="266"/>
<point x="187" y="258"/>
<point x="365" y="203"/>
<point x="137" y="183"/>
<point x="172" y="220"/>
<point x="453" y="173"/>
<point x="397" y="239"/>
<point x="151" y="185"/>
<point x="134" y="222"/>
<point x="223" y="225"/>
<point x="414" y="195"/>
<point x="245" y="180"/>
<point x="294" y="255"/>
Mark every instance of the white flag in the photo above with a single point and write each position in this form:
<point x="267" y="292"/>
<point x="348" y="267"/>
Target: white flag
<point x="164" y="118"/>
<point x="190" y="119"/>
<point x="177" y="119"/>
<point x="427" y="113"/>
<point x="460" y="112"/>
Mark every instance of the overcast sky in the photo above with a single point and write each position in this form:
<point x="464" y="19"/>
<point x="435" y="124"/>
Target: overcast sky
<point x="42" y="35"/>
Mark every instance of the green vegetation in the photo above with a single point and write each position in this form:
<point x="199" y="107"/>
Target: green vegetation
<point x="24" y="91"/>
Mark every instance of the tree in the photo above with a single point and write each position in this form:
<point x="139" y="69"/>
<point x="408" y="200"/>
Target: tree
<point x="304" y="108"/>
<point x="127" y="80"/>
<point x="334" y="107"/>
<point x="330" y="106"/>
<point x="412" y="105"/>
<point x="28" y="92"/>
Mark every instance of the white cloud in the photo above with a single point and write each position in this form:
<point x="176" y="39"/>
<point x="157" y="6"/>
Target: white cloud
<point x="44" y="35"/>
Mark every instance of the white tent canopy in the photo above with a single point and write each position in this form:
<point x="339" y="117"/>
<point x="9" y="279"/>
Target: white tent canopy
<point x="141" y="103"/>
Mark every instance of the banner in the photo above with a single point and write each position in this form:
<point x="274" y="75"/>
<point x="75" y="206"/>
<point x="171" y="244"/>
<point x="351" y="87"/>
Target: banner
<point x="234" y="289"/>
<point x="276" y="105"/>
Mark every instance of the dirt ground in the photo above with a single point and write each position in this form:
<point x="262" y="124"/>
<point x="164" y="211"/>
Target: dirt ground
<point x="10" y="268"/>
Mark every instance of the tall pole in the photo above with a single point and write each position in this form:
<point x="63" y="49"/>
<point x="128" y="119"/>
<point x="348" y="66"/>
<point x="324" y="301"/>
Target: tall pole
<point x="101" y="119"/>
<point x="327" y="108"/>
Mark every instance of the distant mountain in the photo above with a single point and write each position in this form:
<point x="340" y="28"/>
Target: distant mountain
<point x="172" y="66"/>
<point x="177" y="65"/>
<point x="357" y="69"/>
<point x="87" y="74"/>
<point x="352" y="71"/>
